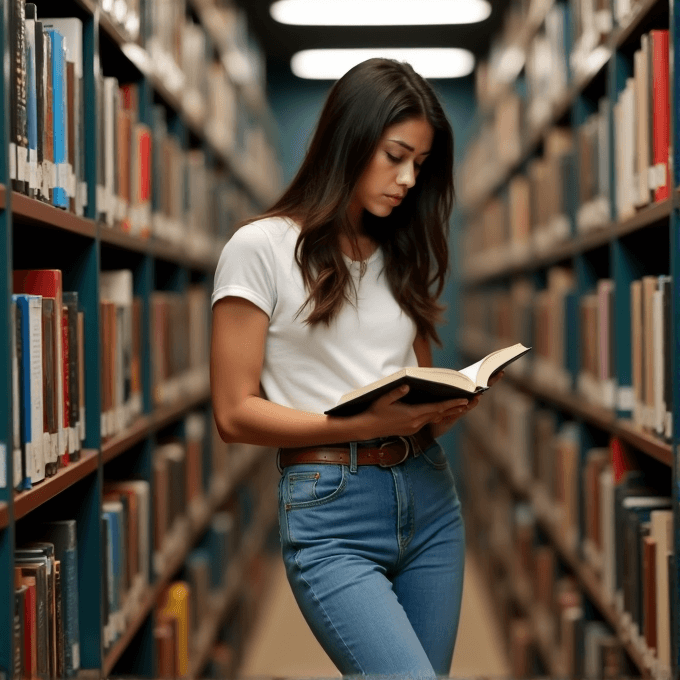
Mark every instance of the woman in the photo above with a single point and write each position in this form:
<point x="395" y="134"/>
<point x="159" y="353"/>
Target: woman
<point x="330" y="290"/>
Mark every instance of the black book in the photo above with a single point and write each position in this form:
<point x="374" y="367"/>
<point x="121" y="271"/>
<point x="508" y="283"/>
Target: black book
<point x="70" y="299"/>
<point x="40" y="61"/>
<point x="59" y="616"/>
<point x="18" y="95"/>
<point x="430" y="385"/>
<point x="19" y="632"/>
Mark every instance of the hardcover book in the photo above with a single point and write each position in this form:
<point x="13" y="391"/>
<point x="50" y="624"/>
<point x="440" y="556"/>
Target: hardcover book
<point x="431" y="384"/>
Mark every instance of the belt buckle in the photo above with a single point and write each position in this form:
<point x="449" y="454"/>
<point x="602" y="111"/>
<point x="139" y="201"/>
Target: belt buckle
<point x="406" y="450"/>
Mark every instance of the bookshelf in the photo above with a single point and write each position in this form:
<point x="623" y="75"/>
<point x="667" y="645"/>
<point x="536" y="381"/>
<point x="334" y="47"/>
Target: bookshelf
<point x="225" y="168"/>
<point x="563" y="217"/>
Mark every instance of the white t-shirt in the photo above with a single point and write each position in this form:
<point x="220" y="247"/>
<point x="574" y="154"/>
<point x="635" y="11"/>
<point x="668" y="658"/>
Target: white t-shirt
<point x="310" y="367"/>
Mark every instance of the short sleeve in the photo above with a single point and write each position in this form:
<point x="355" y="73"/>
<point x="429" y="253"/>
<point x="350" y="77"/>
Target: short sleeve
<point x="246" y="269"/>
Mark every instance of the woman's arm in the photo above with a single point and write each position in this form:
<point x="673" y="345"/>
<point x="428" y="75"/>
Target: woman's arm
<point x="239" y="331"/>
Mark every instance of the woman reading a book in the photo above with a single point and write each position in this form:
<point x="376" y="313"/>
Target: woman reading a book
<point x="333" y="288"/>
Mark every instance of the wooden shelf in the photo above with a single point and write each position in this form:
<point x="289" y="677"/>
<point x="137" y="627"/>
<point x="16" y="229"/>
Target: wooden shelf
<point x="602" y="418"/>
<point x="178" y="253"/>
<point x="116" y="237"/>
<point x="583" y="572"/>
<point x="591" y="413"/>
<point x="199" y="522"/>
<point x="32" y="211"/>
<point x="27" y="501"/>
<point x="581" y="243"/>
<point x="4" y="516"/>
<point x="149" y="423"/>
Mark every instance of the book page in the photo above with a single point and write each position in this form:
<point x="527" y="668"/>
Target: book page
<point x="472" y="370"/>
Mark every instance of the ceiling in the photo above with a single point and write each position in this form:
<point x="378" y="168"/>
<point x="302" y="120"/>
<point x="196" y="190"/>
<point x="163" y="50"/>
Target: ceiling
<point x="281" y="41"/>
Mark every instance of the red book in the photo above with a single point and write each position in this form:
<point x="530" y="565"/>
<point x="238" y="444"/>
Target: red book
<point x="30" y="629"/>
<point x="661" y="114"/>
<point x="65" y="379"/>
<point x="48" y="283"/>
<point x="145" y="177"/>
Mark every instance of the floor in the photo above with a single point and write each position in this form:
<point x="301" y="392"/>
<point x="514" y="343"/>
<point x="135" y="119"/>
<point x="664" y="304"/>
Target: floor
<point x="283" y="646"/>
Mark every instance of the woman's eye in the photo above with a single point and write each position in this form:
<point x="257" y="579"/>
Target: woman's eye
<point x="394" y="159"/>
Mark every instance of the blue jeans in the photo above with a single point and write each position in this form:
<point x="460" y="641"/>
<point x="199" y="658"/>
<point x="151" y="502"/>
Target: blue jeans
<point x="375" y="558"/>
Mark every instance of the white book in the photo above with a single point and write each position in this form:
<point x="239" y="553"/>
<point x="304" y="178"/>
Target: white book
<point x="660" y="520"/>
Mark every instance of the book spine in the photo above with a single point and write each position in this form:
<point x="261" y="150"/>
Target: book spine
<point x="60" y="195"/>
<point x="17" y="467"/>
<point x="661" y="112"/>
<point x="59" y="615"/>
<point x="24" y="362"/>
<point x="19" y="138"/>
<point x="32" y="110"/>
<point x="65" y="382"/>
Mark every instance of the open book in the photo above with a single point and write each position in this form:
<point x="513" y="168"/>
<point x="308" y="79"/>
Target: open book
<point x="430" y="384"/>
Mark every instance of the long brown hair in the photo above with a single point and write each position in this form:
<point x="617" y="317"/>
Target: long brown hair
<point x="369" y="98"/>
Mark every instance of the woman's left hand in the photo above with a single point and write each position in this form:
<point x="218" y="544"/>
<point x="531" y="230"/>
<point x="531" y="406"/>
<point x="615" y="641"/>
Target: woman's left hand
<point x="448" y="418"/>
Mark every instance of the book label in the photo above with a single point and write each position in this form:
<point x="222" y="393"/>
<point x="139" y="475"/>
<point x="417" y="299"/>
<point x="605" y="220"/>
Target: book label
<point x="21" y="164"/>
<point x="33" y="168"/>
<point x="12" y="160"/>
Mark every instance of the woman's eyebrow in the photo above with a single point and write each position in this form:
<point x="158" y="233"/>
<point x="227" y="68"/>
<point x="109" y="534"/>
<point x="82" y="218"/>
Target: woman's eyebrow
<point x="406" y="146"/>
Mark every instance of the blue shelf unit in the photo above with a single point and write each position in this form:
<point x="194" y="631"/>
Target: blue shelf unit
<point x="644" y="244"/>
<point x="35" y="235"/>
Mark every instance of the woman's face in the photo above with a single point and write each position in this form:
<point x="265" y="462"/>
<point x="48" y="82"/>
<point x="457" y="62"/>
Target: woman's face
<point x="394" y="168"/>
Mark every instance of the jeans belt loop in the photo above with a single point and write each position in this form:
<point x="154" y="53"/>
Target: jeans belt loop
<point x="353" y="457"/>
<point x="278" y="461"/>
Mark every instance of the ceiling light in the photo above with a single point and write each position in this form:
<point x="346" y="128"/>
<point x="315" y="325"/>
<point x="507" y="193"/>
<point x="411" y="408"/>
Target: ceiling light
<point x="430" y="62"/>
<point x="379" y="12"/>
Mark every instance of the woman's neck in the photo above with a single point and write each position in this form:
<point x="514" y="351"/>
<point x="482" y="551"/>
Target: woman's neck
<point x="365" y="245"/>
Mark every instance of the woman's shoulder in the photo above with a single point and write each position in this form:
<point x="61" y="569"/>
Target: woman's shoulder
<point x="270" y="227"/>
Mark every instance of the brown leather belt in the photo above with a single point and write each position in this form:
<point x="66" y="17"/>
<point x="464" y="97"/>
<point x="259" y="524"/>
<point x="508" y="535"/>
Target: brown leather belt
<point x="391" y="451"/>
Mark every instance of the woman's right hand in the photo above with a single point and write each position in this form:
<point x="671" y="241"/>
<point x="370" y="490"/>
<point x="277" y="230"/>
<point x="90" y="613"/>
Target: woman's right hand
<point x="388" y="416"/>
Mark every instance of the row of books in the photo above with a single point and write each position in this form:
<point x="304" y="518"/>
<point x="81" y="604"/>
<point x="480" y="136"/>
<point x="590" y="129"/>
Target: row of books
<point x="608" y="510"/>
<point x="47" y="155"/>
<point x="180" y="331"/>
<point x="46" y="634"/>
<point x="179" y="328"/>
<point x="540" y="604"/>
<point x="211" y="90"/>
<point x="575" y="337"/>
<point x="48" y="385"/>
<point x="143" y="171"/>
<point x="640" y="120"/>
<point x="46" y="624"/>
<point x="185" y="606"/>
<point x="151" y="184"/>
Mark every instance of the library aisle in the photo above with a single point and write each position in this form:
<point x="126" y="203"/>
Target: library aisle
<point x="282" y="645"/>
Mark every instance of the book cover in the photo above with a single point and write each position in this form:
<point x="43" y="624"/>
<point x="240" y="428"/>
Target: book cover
<point x="59" y="119"/>
<point x="30" y="377"/>
<point x="71" y="305"/>
<point x="427" y="385"/>
<point x="51" y="425"/>
<point x="31" y="108"/>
